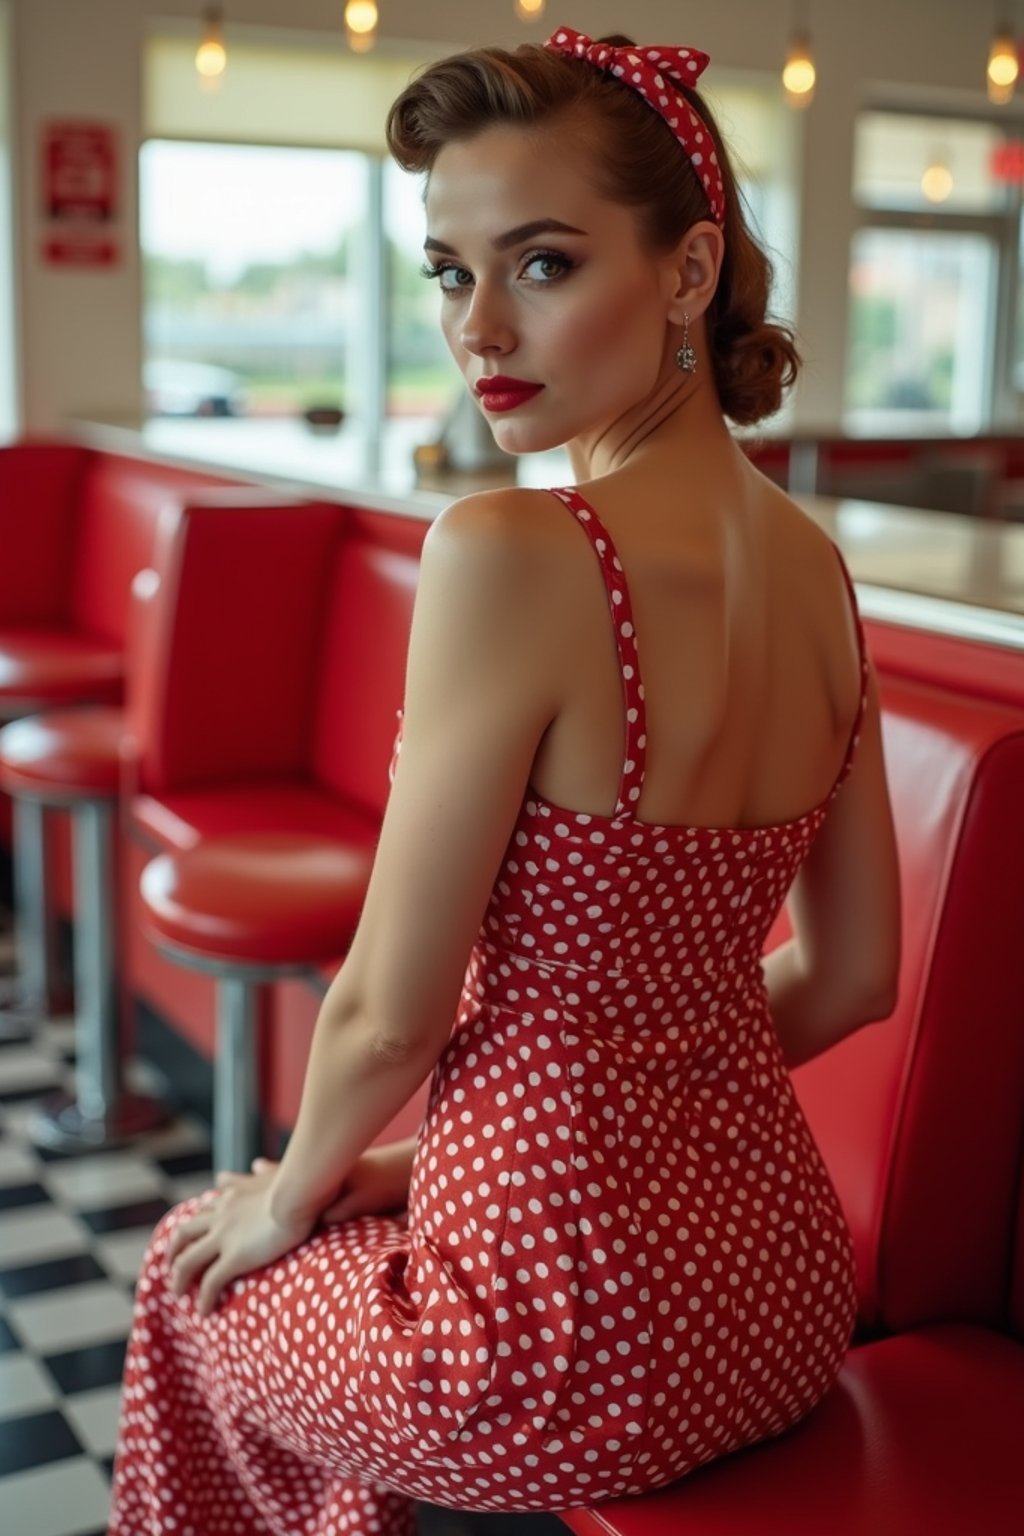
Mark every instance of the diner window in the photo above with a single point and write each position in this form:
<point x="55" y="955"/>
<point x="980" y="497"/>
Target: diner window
<point x="282" y="248"/>
<point x="917" y="164"/>
<point x="422" y="381"/>
<point x="273" y="261"/>
<point x="761" y="132"/>
<point x="929" y="317"/>
<point x="921" y="333"/>
<point x="248" y="297"/>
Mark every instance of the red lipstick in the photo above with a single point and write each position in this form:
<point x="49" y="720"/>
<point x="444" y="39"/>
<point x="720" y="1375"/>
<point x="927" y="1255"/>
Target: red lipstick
<point x="501" y="393"/>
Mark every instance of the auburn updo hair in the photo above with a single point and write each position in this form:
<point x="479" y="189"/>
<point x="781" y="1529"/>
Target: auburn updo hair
<point x="636" y="160"/>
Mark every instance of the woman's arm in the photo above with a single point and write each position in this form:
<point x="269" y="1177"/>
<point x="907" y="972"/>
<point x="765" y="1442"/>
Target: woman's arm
<point x="480" y="691"/>
<point x="809" y="1017"/>
<point x="841" y="969"/>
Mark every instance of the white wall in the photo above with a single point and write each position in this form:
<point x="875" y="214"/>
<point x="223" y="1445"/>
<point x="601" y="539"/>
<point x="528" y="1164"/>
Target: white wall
<point x="8" y="329"/>
<point x="81" y="354"/>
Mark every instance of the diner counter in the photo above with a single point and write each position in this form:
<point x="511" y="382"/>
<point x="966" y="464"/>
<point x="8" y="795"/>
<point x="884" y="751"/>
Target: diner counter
<point x="937" y="571"/>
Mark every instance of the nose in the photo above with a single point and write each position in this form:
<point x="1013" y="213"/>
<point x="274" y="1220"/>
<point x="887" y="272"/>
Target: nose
<point x="485" y="326"/>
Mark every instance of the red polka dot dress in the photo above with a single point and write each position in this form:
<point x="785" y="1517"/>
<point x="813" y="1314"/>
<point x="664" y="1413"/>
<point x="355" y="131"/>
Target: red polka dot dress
<point x="623" y="1255"/>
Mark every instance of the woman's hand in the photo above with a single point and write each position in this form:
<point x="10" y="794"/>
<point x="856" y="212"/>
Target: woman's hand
<point x="377" y="1182"/>
<point x="231" y="1236"/>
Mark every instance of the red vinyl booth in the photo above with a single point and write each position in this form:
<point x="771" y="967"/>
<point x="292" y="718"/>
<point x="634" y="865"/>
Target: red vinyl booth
<point x="267" y="672"/>
<point x="75" y="526"/>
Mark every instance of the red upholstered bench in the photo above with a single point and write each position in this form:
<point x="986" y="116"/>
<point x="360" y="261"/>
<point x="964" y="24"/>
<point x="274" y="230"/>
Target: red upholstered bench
<point x="921" y="1122"/>
<point x="262" y="700"/>
<point x="270" y="667"/>
<point x="75" y="527"/>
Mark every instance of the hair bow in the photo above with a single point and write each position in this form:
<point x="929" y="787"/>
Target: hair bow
<point x="656" y="74"/>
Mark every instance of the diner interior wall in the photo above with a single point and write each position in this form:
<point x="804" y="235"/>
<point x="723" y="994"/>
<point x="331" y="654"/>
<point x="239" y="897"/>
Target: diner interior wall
<point x="8" y="336"/>
<point x="82" y="329"/>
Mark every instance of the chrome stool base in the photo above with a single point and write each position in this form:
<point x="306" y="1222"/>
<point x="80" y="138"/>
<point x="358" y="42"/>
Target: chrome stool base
<point x="20" y="1018"/>
<point x="60" y="1123"/>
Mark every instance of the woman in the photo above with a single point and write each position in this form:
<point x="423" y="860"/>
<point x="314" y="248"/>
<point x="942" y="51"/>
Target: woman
<point x="614" y="1252"/>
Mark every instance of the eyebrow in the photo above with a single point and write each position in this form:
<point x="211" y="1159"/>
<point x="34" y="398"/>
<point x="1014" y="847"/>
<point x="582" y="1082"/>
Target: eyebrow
<point x="512" y="236"/>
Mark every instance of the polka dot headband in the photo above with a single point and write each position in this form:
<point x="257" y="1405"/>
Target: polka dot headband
<point x="655" y="74"/>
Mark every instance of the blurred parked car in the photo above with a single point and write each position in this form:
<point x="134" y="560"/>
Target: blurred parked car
<point x="174" y="387"/>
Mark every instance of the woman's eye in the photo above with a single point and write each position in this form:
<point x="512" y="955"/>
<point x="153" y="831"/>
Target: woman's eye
<point x="455" y="273"/>
<point x="548" y="259"/>
<point x="439" y="271"/>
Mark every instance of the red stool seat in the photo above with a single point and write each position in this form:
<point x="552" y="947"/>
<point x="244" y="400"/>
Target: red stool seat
<point x="71" y="753"/>
<point x="270" y="898"/>
<point x="45" y="667"/>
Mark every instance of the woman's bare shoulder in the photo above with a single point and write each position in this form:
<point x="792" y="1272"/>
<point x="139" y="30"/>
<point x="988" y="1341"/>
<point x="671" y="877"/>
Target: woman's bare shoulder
<point x="509" y="527"/>
<point x="792" y="524"/>
<point x="510" y="546"/>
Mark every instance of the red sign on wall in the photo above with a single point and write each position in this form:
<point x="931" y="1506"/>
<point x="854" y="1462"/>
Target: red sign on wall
<point x="80" y="193"/>
<point x="1006" y="162"/>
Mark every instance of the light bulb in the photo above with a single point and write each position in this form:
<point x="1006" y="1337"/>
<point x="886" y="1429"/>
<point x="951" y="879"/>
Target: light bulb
<point x="799" y="74"/>
<point x="1003" y="64"/>
<point x="211" y="55"/>
<point x="361" y="16"/>
<point x="529" y="10"/>
<point x="937" y="182"/>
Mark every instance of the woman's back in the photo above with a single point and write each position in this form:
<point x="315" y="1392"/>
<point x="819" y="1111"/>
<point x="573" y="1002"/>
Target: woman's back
<point x="748" y="652"/>
<point x="752" y="669"/>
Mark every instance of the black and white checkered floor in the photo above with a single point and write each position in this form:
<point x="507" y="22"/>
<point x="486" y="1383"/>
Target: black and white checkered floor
<point x="73" y="1230"/>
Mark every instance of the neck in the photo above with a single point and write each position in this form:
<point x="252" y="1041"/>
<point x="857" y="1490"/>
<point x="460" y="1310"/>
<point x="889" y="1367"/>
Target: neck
<point x="679" y="418"/>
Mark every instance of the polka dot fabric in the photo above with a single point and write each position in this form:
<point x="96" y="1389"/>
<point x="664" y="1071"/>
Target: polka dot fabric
<point x="655" y="74"/>
<point x="623" y="1255"/>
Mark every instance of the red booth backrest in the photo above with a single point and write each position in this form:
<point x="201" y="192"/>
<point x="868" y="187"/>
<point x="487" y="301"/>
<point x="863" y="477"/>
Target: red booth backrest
<point x="921" y="1117"/>
<point x="39" y="488"/>
<point x="1016" y="1304"/>
<point x="225" y="650"/>
<point x="113" y="534"/>
<point x="362" y="661"/>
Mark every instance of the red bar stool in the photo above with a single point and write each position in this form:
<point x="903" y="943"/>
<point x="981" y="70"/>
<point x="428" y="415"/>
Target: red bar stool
<point x="43" y="669"/>
<point x="251" y="908"/>
<point x="71" y="758"/>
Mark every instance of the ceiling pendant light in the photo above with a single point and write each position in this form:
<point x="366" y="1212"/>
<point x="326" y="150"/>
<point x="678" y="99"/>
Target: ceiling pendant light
<point x="361" y="24"/>
<point x="799" y="74"/>
<point x="529" y="10"/>
<point x="1003" y="65"/>
<point x="211" y="55"/>
<point x="937" y="180"/>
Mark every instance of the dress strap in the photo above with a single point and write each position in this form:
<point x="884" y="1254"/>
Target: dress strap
<point x="632" y="777"/>
<point x="858" y="722"/>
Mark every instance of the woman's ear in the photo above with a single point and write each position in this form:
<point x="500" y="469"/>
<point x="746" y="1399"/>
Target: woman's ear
<point x="693" y="270"/>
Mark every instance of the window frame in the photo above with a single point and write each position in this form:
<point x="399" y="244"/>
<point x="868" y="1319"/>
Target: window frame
<point x="1003" y="403"/>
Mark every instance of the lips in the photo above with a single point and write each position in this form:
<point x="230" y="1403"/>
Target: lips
<point x="503" y="394"/>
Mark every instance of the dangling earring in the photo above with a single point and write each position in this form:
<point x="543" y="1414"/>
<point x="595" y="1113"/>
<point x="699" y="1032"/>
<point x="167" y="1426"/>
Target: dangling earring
<point x="686" y="357"/>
